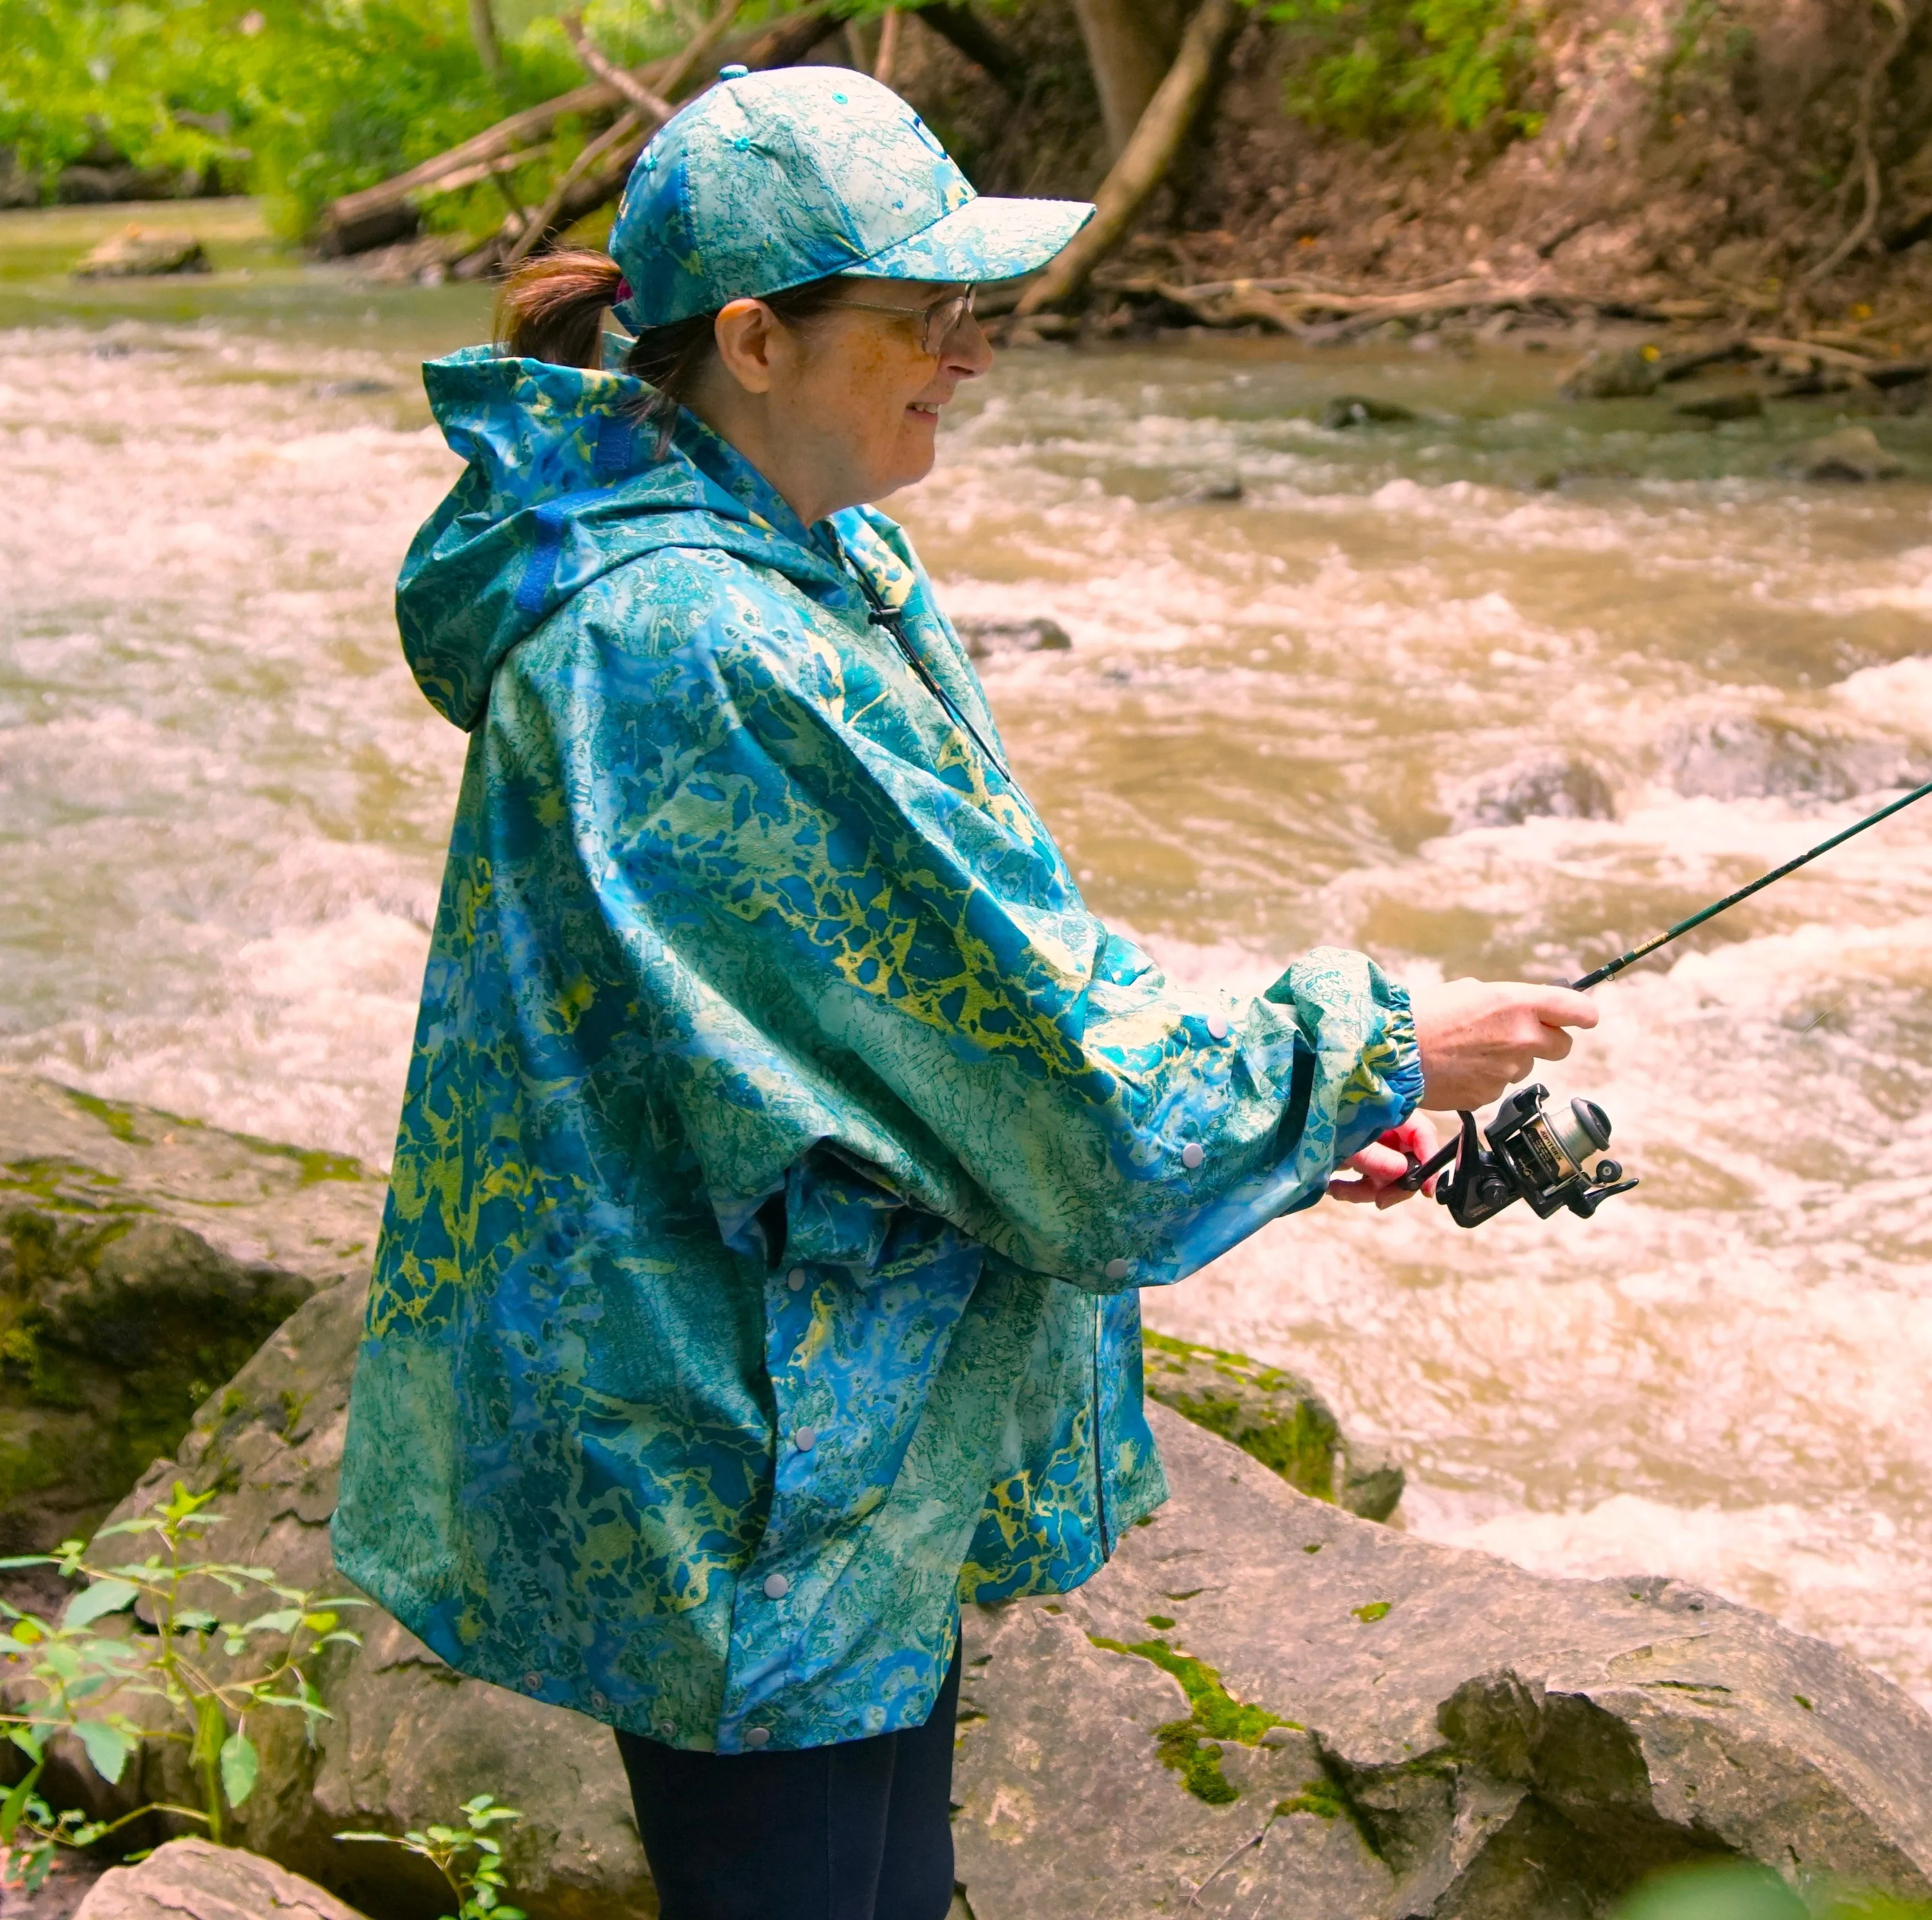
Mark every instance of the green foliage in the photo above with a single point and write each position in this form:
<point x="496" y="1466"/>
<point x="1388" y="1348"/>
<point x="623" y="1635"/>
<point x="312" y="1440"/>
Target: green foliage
<point x="478" y="1883"/>
<point x="1374" y="66"/>
<point x="1737" y="1890"/>
<point x="111" y="1691"/>
<point x="301" y="99"/>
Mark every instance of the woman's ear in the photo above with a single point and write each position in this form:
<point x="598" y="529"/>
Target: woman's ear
<point x="745" y="331"/>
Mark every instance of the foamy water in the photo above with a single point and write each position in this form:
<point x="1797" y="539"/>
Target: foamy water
<point x="1326" y="711"/>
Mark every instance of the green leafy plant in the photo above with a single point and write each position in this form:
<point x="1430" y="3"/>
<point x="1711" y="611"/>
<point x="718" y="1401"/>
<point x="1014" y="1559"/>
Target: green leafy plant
<point x="70" y="1676"/>
<point x="1376" y="66"/>
<point x="468" y="1857"/>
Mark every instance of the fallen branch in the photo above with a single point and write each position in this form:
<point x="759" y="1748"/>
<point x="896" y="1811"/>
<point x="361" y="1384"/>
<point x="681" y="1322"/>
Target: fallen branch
<point x="1150" y="151"/>
<point x="548" y="218"/>
<point x="613" y="76"/>
<point x="964" y="31"/>
<point x="387" y="210"/>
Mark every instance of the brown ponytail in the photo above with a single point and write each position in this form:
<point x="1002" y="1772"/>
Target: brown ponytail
<point x="552" y="308"/>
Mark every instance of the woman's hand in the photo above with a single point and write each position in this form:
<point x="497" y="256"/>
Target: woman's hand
<point x="1479" y="1037"/>
<point x="1377" y="1168"/>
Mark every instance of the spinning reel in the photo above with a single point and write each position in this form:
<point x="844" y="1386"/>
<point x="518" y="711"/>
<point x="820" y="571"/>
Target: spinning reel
<point x="1526" y="1153"/>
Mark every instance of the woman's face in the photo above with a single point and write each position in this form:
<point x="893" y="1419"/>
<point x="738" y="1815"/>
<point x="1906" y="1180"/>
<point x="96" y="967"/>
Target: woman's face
<point x="845" y="408"/>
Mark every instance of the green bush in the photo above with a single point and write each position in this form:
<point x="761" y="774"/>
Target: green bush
<point x="300" y="100"/>
<point x="1374" y="67"/>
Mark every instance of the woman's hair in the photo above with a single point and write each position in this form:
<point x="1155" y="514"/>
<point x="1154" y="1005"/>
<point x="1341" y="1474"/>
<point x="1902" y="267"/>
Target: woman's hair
<point x="552" y="308"/>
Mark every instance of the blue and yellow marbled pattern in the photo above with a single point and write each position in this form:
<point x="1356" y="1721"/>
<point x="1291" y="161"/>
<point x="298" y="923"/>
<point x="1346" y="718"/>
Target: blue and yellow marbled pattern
<point x="768" y="180"/>
<point x="784" y="1141"/>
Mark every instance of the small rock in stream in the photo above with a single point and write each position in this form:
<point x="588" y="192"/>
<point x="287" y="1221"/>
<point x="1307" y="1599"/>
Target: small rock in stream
<point x="138" y="250"/>
<point x="984" y="638"/>
<point x="1355" y="409"/>
<point x="351" y="389"/>
<point x="1554" y="786"/>
<point x="1718" y="407"/>
<point x="1614" y="373"/>
<point x="1851" y="453"/>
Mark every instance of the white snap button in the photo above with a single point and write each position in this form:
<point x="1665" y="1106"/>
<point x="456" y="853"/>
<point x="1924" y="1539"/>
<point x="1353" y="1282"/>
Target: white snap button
<point x="1119" y="1269"/>
<point x="805" y="1438"/>
<point x="1192" y="1155"/>
<point x="795" y="1279"/>
<point x="776" y="1586"/>
<point x="756" y="1736"/>
<point x="531" y="1681"/>
<point x="1217" y="1026"/>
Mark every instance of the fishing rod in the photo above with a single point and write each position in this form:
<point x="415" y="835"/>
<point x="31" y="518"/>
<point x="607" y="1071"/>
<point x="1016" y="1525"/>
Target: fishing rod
<point x="1528" y="1154"/>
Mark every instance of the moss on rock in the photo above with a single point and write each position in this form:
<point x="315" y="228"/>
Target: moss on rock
<point x="1275" y="1416"/>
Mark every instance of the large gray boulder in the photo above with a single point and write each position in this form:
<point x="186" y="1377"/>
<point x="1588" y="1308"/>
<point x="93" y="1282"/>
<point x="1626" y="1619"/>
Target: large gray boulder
<point x="1263" y="1706"/>
<point x="193" y="1879"/>
<point x="143" y="1257"/>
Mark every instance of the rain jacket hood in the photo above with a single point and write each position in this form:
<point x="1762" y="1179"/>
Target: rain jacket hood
<point x="785" y="1140"/>
<point x="562" y="486"/>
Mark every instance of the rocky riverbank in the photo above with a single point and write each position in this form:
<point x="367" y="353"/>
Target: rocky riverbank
<point x="1264" y="1705"/>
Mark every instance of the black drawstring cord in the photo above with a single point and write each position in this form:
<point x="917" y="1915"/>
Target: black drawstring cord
<point x="893" y="621"/>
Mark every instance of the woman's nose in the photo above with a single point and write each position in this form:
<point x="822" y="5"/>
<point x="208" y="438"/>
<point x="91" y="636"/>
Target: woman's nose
<point x="968" y="351"/>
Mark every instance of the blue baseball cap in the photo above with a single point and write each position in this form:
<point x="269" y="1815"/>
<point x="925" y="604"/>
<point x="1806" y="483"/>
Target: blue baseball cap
<point x="766" y="180"/>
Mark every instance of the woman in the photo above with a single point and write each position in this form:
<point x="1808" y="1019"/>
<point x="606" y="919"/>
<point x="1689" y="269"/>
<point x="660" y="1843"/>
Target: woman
<point x="785" y="1141"/>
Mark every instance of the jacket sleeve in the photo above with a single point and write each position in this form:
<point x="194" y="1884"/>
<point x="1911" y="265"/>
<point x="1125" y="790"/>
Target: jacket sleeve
<point x="846" y="939"/>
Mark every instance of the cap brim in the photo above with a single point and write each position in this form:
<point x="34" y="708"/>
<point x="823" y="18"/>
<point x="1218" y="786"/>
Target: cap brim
<point x="985" y="239"/>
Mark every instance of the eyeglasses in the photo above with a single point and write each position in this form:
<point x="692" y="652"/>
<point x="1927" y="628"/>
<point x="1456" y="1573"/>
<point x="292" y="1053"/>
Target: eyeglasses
<point x="938" y="320"/>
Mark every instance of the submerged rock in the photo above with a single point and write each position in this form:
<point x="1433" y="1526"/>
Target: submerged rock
<point x="1274" y="1417"/>
<point x="1746" y="756"/>
<point x="1715" y="407"/>
<point x="1851" y="453"/>
<point x="1614" y="373"/>
<point x="194" y="1880"/>
<point x="984" y="638"/>
<point x="143" y="1257"/>
<point x="1355" y="409"/>
<point x="1558" y="786"/>
<point x="137" y="250"/>
<point x="1263" y="1706"/>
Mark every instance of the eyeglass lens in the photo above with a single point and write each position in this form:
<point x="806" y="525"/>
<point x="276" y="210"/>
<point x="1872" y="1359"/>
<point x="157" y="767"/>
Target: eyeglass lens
<point x="941" y="319"/>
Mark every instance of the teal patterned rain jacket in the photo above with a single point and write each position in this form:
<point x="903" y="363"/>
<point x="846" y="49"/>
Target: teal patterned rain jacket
<point x="785" y="1140"/>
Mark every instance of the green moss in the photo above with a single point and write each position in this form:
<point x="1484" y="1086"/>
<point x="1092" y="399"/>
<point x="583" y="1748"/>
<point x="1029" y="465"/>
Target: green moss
<point x="1189" y="1746"/>
<point x="1160" y="1621"/>
<point x="1197" y="1761"/>
<point x="119" y="1120"/>
<point x="1320" y="1797"/>
<point x="314" y="1164"/>
<point x="1376" y="1609"/>
<point x="1271" y="1415"/>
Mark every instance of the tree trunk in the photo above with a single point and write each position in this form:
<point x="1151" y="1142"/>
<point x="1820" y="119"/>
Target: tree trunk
<point x="1150" y="152"/>
<point x="483" y="31"/>
<point x="1130" y="45"/>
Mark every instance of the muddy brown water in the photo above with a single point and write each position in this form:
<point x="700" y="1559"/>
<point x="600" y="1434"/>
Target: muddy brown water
<point x="1499" y="689"/>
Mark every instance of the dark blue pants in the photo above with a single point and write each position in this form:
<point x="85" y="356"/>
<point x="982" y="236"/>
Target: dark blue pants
<point x="862" y="1831"/>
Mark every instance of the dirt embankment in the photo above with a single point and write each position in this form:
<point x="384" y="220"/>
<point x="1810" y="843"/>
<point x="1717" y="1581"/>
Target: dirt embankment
<point x="1765" y="165"/>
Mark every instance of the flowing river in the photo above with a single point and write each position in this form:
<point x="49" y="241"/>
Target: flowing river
<point x="1499" y="690"/>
